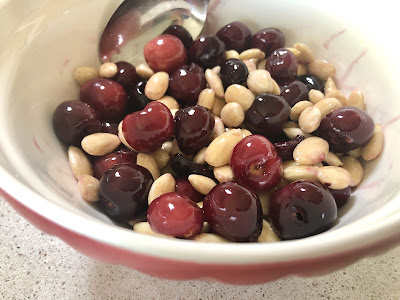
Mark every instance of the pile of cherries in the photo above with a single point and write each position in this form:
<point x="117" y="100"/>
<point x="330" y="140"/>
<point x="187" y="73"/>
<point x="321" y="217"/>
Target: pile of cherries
<point x="232" y="209"/>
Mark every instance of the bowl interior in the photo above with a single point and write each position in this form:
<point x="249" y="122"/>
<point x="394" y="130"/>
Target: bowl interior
<point x="47" y="40"/>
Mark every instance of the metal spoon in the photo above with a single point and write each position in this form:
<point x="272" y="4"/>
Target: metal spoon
<point x="136" y="22"/>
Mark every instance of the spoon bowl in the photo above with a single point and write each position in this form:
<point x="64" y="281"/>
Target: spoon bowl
<point x="136" y="22"/>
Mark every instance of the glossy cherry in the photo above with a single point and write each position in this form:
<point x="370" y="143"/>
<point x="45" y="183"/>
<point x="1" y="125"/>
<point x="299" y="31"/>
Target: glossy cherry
<point x="176" y="215"/>
<point x="185" y="188"/>
<point x="294" y="92"/>
<point x="268" y="40"/>
<point x="346" y="128"/>
<point x="184" y="167"/>
<point x="73" y="120"/>
<point x="341" y="196"/>
<point x="165" y="53"/>
<point x="181" y="33"/>
<point x="267" y="115"/>
<point x="123" y="191"/>
<point x="301" y="209"/>
<point x="137" y="99"/>
<point x="234" y="212"/>
<point x="236" y="36"/>
<point x="285" y="149"/>
<point x="103" y="163"/>
<point x="146" y="130"/>
<point x="256" y="164"/>
<point x="106" y="96"/>
<point x="208" y="52"/>
<point x="108" y="127"/>
<point x="311" y="82"/>
<point x="126" y="75"/>
<point x="282" y="65"/>
<point x="194" y="127"/>
<point x="233" y="71"/>
<point x="186" y="84"/>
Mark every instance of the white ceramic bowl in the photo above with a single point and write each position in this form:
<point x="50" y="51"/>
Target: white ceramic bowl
<point x="43" y="41"/>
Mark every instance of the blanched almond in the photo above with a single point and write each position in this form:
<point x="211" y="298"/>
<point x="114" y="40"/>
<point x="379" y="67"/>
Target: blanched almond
<point x="219" y="152"/>
<point x="99" y="144"/>
<point x="311" y="151"/>
<point x="79" y="162"/>
<point x="201" y="183"/>
<point x="162" y="185"/>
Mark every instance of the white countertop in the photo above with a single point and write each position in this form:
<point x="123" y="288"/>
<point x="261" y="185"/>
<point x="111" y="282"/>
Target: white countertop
<point x="36" y="266"/>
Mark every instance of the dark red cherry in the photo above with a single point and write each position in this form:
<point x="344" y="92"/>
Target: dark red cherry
<point x="312" y="82"/>
<point x="341" y="196"/>
<point x="346" y="128"/>
<point x="108" y="127"/>
<point x="267" y="115"/>
<point x="146" y="130"/>
<point x="184" y="167"/>
<point x="268" y="40"/>
<point x="285" y="149"/>
<point x="165" y="53"/>
<point x="103" y="163"/>
<point x="137" y="99"/>
<point x="233" y="71"/>
<point x="236" y="36"/>
<point x="194" y="127"/>
<point x="176" y="215"/>
<point x="282" y="65"/>
<point x="256" y="164"/>
<point x="208" y="52"/>
<point x="186" y="84"/>
<point x="294" y="92"/>
<point x="73" y="120"/>
<point x="106" y="96"/>
<point x="234" y="212"/>
<point x="185" y="188"/>
<point x="181" y="33"/>
<point x="123" y="191"/>
<point x="126" y="75"/>
<point x="301" y="209"/>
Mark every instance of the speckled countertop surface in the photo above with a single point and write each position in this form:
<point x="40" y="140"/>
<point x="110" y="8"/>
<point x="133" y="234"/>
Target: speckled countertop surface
<point x="36" y="266"/>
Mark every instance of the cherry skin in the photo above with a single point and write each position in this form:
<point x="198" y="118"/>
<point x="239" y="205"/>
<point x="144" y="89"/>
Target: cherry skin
<point x="234" y="212"/>
<point x="103" y="163"/>
<point x="165" y="53"/>
<point x="185" y="188"/>
<point x="137" y="99"/>
<point x="123" y="191"/>
<point x="294" y="92"/>
<point x="341" y="196"/>
<point x="285" y="149"/>
<point x="282" y="65"/>
<point x="267" y="115"/>
<point x="236" y="36"/>
<point x="126" y="75"/>
<point x="176" y="215"/>
<point x="301" y="209"/>
<point x="73" y="120"/>
<point x="184" y="167"/>
<point x="256" y="164"/>
<point x="108" y="127"/>
<point x="106" y="96"/>
<point x="194" y="127"/>
<point x="346" y="128"/>
<point x="146" y="130"/>
<point x="233" y="71"/>
<point x="268" y="40"/>
<point x="311" y="82"/>
<point x="208" y="52"/>
<point x="186" y="84"/>
<point x="181" y="33"/>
